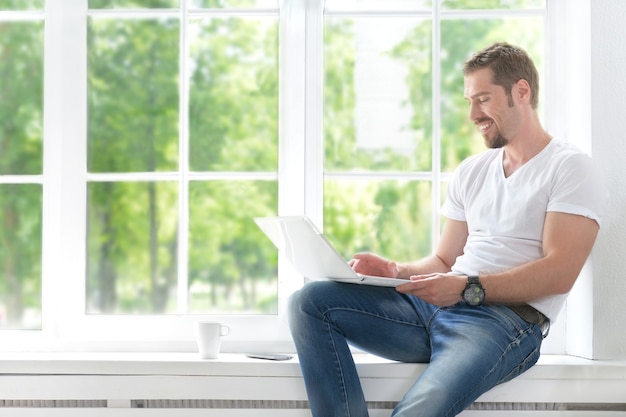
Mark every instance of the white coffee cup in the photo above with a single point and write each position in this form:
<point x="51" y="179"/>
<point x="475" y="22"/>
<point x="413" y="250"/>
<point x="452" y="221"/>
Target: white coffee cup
<point x="209" y="338"/>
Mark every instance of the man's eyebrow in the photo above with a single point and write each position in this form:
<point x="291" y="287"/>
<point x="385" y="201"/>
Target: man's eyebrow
<point x="476" y="95"/>
<point x="480" y="93"/>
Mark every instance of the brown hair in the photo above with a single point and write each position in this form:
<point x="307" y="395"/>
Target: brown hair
<point x="509" y="64"/>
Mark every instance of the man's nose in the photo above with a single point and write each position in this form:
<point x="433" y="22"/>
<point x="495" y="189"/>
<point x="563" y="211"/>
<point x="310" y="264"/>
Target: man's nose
<point x="474" y="112"/>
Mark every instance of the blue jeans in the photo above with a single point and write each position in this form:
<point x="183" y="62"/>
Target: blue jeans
<point x="469" y="349"/>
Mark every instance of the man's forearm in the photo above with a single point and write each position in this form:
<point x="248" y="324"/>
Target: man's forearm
<point x="427" y="265"/>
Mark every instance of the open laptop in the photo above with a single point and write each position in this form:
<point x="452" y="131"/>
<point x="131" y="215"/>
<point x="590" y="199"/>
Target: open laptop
<point x="311" y="254"/>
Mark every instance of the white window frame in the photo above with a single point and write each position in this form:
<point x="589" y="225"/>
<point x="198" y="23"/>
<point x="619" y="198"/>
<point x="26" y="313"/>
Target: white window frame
<point x="66" y="327"/>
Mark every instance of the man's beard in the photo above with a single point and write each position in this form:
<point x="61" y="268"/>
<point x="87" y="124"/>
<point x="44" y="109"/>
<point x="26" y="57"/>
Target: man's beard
<point x="498" y="141"/>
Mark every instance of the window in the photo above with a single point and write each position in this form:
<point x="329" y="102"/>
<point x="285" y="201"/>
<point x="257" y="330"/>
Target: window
<point x="181" y="154"/>
<point x="395" y="122"/>
<point x="21" y="163"/>
<point x="171" y="123"/>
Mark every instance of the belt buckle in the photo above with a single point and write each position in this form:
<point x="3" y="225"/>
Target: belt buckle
<point x="545" y="328"/>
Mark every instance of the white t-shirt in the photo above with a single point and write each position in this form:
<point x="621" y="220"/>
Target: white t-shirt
<point x="505" y="216"/>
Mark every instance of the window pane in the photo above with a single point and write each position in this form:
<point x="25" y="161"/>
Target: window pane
<point x="21" y="4"/>
<point x="21" y="97"/>
<point x="133" y="95"/>
<point x="493" y="4"/>
<point x="143" y="4"/>
<point x="21" y="109"/>
<point x="391" y="218"/>
<point x="377" y="4"/>
<point x="232" y="265"/>
<point x="132" y="247"/>
<point x="20" y="256"/>
<point x="377" y="94"/>
<point x="233" y="116"/>
<point x="233" y="4"/>
<point x="459" y="39"/>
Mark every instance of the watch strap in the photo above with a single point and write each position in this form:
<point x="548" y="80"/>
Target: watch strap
<point x="473" y="279"/>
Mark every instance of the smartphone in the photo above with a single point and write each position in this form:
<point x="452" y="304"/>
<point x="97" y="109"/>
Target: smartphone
<point x="270" y="356"/>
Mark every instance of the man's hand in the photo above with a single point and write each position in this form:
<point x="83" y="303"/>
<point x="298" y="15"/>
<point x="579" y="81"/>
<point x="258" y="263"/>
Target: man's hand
<point x="438" y="289"/>
<point x="370" y="264"/>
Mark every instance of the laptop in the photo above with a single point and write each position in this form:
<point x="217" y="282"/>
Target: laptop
<point x="311" y="254"/>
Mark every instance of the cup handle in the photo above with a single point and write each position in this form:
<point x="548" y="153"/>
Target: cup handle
<point x="224" y="330"/>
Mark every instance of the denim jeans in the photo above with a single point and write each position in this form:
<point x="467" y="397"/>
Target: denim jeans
<point x="469" y="349"/>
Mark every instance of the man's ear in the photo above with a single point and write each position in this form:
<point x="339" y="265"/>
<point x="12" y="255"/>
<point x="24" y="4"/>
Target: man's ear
<point x="521" y="90"/>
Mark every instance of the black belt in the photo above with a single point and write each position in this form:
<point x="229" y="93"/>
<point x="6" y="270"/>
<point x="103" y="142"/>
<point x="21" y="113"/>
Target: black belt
<point x="532" y="315"/>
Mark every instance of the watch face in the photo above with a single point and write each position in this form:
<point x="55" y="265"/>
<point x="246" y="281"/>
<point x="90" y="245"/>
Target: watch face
<point x="474" y="295"/>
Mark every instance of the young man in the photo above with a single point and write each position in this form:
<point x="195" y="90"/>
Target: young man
<point x="522" y="218"/>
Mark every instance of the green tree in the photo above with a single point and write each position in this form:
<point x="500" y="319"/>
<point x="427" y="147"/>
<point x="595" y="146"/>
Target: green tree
<point x="390" y="217"/>
<point x="21" y="103"/>
<point x="233" y="128"/>
<point x="133" y="127"/>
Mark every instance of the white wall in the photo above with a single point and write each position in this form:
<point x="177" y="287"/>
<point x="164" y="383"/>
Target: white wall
<point x="608" y="126"/>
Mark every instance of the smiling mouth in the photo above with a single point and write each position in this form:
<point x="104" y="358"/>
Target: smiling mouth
<point x="484" y="125"/>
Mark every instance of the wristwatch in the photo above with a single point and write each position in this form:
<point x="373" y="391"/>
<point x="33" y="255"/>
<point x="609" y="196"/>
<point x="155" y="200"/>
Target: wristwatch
<point x="474" y="293"/>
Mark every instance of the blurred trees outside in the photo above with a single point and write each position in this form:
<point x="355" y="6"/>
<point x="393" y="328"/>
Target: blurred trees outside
<point x="21" y="127"/>
<point x="141" y="170"/>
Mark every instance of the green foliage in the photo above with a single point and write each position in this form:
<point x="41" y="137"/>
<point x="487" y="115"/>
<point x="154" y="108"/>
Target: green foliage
<point x="20" y="255"/>
<point x="107" y="4"/>
<point x="226" y="248"/>
<point x="21" y="97"/>
<point x="21" y="116"/>
<point x="21" y="4"/>
<point x="234" y="95"/>
<point x="232" y="3"/>
<point x="492" y="4"/>
<point x="133" y="127"/>
<point x="133" y="95"/>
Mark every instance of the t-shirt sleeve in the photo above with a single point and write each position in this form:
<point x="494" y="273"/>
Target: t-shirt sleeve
<point x="453" y="207"/>
<point x="578" y="189"/>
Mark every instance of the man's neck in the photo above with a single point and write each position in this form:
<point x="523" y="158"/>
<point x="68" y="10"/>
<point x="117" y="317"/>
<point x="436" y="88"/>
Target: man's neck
<point x="524" y="148"/>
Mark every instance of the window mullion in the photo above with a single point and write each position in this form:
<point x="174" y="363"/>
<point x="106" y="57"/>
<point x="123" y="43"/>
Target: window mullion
<point x="291" y="119"/>
<point x="436" y="122"/>
<point x="292" y="108"/>
<point x="314" y="96"/>
<point x="65" y="153"/>
<point x="183" y="165"/>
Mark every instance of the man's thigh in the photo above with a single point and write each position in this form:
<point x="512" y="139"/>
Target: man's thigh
<point x="473" y="350"/>
<point x="378" y="320"/>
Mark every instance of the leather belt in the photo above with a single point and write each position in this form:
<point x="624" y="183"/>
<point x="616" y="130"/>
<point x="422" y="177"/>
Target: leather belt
<point x="531" y="315"/>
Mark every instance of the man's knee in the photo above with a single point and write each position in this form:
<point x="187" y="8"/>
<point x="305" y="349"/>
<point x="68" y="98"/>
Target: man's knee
<point x="306" y="300"/>
<point x="311" y="292"/>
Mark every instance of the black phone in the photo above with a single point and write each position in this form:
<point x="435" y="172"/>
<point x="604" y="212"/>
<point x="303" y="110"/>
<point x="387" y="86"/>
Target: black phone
<point x="270" y="356"/>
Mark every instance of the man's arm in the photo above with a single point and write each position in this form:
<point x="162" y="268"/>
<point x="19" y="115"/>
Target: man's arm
<point x="567" y="242"/>
<point x="451" y="244"/>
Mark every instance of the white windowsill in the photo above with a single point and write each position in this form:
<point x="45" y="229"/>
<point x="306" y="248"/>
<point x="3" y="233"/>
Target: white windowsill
<point x="153" y="375"/>
<point x="235" y="364"/>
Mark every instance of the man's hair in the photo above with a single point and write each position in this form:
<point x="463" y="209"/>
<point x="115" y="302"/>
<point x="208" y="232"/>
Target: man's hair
<point x="508" y="64"/>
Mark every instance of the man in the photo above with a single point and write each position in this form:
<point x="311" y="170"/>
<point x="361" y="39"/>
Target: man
<point x="522" y="218"/>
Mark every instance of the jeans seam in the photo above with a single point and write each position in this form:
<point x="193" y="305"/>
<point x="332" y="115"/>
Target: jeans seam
<point x="515" y="342"/>
<point x="340" y="372"/>
<point x="367" y="313"/>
